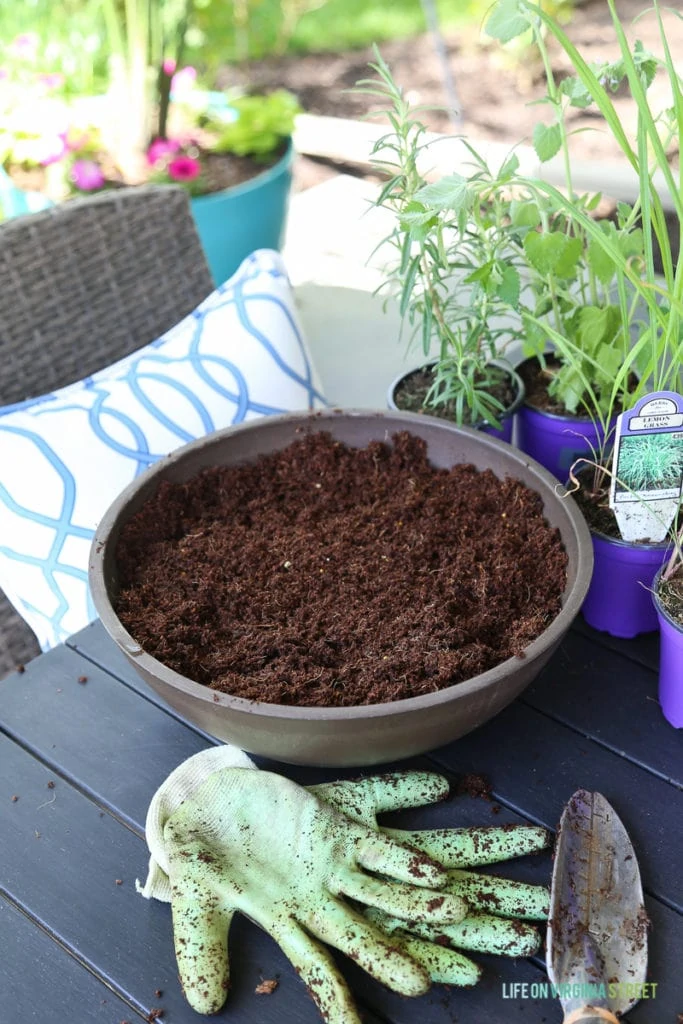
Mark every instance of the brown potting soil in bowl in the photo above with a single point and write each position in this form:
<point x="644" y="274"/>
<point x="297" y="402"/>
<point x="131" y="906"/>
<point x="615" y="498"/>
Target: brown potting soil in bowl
<point x="323" y="575"/>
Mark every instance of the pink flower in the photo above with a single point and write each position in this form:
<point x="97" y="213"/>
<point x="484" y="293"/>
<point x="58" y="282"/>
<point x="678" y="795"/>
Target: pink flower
<point x="25" y="45"/>
<point x="87" y="175"/>
<point x="183" y="81"/>
<point x="168" y="66"/>
<point x="4" y="74"/>
<point x="50" y="149"/>
<point x="51" y="81"/>
<point x="160" y="149"/>
<point x="184" y="168"/>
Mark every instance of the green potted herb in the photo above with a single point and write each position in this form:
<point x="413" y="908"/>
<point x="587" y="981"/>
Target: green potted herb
<point x="650" y="305"/>
<point x="449" y="295"/>
<point x="587" y="306"/>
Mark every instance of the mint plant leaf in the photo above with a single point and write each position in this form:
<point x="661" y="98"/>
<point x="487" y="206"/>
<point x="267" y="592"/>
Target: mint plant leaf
<point x="569" y="257"/>
<point x="631" y="243"/>
<point x="509" y="286"/>
<point x="593" y="327"/>
<point x="449" y="193"/>
<point x="547" y="140"/>
<point x="507" y="21"/>
<point x="552" y="252"/>
<point x="567" y="386"/>
<point x="544" y="250"/>
<point x="576" y="92"/>
<point x="600" y="262"/>
<point x="524" y="214"/>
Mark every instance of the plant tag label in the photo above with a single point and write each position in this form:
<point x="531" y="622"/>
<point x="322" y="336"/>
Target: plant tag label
<point x="647" y="467"/>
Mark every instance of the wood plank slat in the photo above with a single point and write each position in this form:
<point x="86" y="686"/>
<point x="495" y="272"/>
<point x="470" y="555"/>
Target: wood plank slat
<point x="600" y="693"/>
<point x="642" y="649"/>
<point x="100" y="734"/>
<point x="536" y="764"/>
<point x="94" y="644"/>
<point x="42" y="982"/>
<point x="512" y="767"/>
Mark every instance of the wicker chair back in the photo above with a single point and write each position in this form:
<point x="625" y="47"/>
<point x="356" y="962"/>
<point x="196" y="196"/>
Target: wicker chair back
<point x="84" y="284"/>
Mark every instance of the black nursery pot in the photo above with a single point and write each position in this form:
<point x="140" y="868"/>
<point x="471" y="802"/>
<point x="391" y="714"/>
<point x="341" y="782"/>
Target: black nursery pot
<point x="507" y="418"/>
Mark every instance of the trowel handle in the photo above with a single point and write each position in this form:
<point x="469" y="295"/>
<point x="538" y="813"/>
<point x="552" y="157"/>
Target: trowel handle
<point x="591" y="1015"/>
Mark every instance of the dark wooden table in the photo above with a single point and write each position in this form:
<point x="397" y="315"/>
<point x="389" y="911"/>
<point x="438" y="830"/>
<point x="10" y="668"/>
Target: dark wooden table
<point x="84" y="744"/>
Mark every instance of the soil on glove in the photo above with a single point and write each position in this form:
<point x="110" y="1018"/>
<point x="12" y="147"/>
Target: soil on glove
<point x="323" y="575"/>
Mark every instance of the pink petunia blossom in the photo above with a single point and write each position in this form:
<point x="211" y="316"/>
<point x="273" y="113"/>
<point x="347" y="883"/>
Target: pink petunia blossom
<point x="51" y="81"/>
<point x="25" y="45"/>
<point x="87" y="175"/>
<point x="183" y="81"/>
<point x="49" y="149"/>
<point x="184" y="168"/>
<point x="168" y="66"/>
<point x="160" y="149"/>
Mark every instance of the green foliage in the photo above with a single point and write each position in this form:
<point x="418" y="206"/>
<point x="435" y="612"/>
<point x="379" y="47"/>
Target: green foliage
<point x="618" y="258"/>
<point x="261" y="125"/>
<point x="453" y="272"/>
<point x="514" y="245"/>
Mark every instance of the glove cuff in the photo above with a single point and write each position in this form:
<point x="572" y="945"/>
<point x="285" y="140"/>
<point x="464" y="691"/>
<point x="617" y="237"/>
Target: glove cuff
<point x="180" y="784"/>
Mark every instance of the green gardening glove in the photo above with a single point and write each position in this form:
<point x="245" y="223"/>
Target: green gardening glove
<point x="255" y="842"/>
<point x="498" y="905"/>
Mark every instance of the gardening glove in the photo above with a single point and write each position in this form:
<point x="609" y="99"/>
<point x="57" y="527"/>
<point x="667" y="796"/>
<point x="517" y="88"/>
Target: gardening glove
<point x="493" y="900"/>
<point x="362" y="801"/>
<point x="219" y="854"/>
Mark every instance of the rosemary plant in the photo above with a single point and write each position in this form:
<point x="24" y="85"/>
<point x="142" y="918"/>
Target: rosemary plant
<point x="451" y="274"/>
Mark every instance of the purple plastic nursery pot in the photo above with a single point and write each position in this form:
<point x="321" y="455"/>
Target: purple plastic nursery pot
<point x="670" y="661"/>
<point x="556" y="441"/>
<point x="507" y="418"/>
<point x="619" y="598"/>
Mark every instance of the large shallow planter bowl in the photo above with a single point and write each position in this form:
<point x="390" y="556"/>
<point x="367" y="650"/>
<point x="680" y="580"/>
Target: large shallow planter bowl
<point x="360" y="735"/>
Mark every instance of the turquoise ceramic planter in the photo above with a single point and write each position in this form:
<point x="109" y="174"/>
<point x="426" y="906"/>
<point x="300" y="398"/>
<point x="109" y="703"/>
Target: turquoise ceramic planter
<point x="235" y="222"/>
<point x="15" y="201"/>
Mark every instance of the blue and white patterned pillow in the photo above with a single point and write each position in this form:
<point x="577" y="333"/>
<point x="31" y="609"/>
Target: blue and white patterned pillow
<point x="64" y="457"/>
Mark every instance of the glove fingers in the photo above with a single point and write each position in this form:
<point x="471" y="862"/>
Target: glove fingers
<point x="391" y="792"/>
<point x="347" y="930"/>
<point x="484" y="933"/>
<point x="382" y="855"/>
<point x="445" y="966"/>
<point x="201" y="922"/>
<point x="318" y="971"/>
<point x="501" y="896"/>
<point x="470" y="847"/>
<point x="404" y="901"/>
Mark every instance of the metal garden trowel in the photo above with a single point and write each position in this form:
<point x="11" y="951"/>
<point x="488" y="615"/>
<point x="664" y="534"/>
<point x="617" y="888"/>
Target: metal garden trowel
<point x="596" y="951"/>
